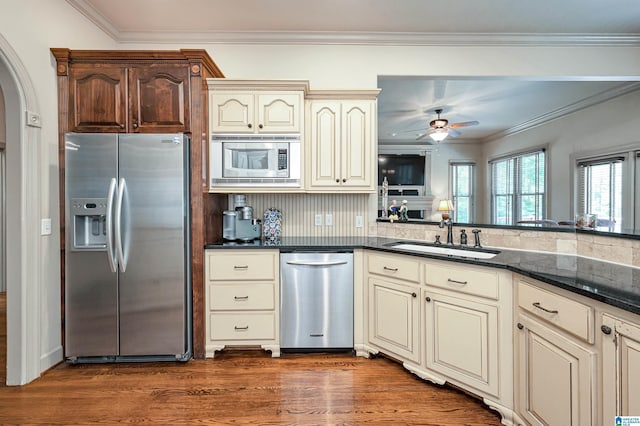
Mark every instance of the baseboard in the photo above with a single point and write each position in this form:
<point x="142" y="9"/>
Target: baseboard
<point x="51" y="358"/>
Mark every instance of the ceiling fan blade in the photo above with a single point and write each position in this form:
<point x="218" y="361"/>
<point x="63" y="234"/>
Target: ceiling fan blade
<point x="453" y="132"/>
<point x="411" y="131"/>
<point x="463" y="124"/>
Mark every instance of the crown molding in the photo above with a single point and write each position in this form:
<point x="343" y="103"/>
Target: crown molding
<point x="569" y="109"/>
<point x="352" y="37"/>
<point x="381" y="38"/>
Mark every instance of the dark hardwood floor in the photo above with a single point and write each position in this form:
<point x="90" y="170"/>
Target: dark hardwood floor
<point x="237" y="387"/>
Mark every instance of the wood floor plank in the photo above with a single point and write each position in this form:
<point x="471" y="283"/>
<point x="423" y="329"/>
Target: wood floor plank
<point x="241" y="387"/>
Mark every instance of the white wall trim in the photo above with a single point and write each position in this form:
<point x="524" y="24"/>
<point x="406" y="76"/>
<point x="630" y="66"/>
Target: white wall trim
<point x="23" y="292"/>
<point x="51" y="358"/>
<point x="351" y="37"/>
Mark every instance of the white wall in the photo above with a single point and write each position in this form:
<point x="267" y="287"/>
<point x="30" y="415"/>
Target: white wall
<point x="33" y="26"/>
<point x="611" y="124"/>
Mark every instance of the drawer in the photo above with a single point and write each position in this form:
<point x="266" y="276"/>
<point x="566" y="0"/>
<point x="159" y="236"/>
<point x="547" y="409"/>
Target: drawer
<point x="241" y="265"/>
<point x="475" y="281"/>
<point x="241" y="297"/>
<point x="242" y="326"/>
<point x="566" y="314"/>
<point x="400" y="267"/>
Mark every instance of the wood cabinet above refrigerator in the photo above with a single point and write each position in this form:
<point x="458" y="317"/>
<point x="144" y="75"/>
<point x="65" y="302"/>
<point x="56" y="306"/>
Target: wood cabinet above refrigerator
<point x="131" y="91"/>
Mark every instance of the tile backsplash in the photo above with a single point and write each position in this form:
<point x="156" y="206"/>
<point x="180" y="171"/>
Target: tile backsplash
<point x="617" y="250"/>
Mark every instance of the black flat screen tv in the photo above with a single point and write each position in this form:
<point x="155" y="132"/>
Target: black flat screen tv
<point x="401" y="169"/>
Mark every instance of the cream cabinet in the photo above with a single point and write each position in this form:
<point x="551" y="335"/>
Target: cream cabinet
<point x="393" y="305"/>
<point x="556" y="363"/>
<point x="466" y="327"/>
<point x="341" y="137"/>
<point x="242" y="299"/>
<point x="621" y="367"/>
<point x="256" y="112"/>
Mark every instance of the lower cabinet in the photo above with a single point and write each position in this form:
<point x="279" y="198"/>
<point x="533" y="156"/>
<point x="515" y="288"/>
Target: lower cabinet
<point x="462" y="340"/>
<point x="556" y="362"/>
<point x="394" y="318"/>
<point x="621" y="368"/>
<point x="242" y="297"/>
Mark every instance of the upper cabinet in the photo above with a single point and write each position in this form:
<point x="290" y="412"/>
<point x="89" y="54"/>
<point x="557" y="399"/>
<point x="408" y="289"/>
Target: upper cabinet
<point x="341" y="141"/>
<point x="256" y="112"/>
<point x="255" y="106"/>
<point x="137" y="91"/>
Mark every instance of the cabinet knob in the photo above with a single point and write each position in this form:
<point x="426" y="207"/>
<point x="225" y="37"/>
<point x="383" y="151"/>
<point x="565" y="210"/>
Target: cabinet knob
<point x="337" y="180"/>
<point x="135" y="125"/>
<point x="606" y="329"/>
<point x="260" y="126"/>
<point x="428" y="299"/>
<point x="520" y="326"/>
<point x="344" y="180"/>
<point x="122" y="126"/>
<point x="249" y="125"/>
<point x="414" y="295"/>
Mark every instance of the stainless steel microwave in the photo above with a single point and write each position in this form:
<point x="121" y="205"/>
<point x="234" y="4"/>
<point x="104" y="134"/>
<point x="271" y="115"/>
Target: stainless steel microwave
<point x="262" y="160"/>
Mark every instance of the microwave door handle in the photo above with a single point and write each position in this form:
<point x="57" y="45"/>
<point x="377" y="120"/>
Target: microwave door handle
<point x="113" y="261"/>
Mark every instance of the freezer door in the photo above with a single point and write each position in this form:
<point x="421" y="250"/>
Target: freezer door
<point x="153" y="242"/>
<point x="91" y="287"/>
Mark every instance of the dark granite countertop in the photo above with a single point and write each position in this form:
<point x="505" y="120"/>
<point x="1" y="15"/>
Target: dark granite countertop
<point x="613" y="284"/>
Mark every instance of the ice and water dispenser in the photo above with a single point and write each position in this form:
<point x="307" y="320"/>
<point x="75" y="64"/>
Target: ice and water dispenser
<point x="89" y="223"/>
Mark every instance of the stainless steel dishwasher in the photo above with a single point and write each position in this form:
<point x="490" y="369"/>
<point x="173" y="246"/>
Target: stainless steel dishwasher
<point x="316" y="300"/>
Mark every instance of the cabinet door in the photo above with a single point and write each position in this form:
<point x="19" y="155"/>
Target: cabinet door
<point x="279" y="113"/>
<point x="394" y="318"/>
<point x="324" y="154"/>
<point x="98" y="98"/>
<point x="232" y="112"/>
<point x="621" y="364"/>
<point x="556" y="377"/>
<point x="160" y="99"/>
<point x="462" y="340"/>
<point x="357" y="140"/>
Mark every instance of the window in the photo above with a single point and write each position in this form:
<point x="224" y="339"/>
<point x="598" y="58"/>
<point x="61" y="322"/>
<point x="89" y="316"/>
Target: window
<point x="518" y="188"/>
<point x="600" y="190"/>
<point x="462" y="175"/>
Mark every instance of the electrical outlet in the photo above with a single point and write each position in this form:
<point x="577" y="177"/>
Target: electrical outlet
<point x="328" y="219"/>
<point x="45" y="226"/>
<point x="318" y="220"/>
<point x="359" y="222"/>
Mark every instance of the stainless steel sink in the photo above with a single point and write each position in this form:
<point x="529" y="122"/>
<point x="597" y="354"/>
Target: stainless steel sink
<point x="446" y="250"/>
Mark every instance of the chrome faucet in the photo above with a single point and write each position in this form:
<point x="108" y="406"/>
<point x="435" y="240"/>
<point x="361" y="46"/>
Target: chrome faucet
<point x="449" y="223"/>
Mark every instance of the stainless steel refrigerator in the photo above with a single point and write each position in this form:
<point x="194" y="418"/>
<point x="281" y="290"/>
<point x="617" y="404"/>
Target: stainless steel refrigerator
<point x="127" y="263"/>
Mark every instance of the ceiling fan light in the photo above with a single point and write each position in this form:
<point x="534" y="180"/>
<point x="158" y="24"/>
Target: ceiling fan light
<point x="439" y="135"/>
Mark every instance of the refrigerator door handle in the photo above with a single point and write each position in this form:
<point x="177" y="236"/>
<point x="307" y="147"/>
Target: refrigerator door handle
<point x="113" y="261"/>
<point x="119" y="231"/>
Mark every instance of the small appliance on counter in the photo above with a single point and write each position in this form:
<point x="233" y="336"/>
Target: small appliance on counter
<point x="239" y="224"/>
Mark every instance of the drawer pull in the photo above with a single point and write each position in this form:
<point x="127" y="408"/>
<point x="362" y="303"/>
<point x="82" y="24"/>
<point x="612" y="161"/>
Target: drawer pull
<point x="390" y="269"/>
<point x="550" y="311"/>
<point x="457" y="282"/>
<point x="606" y="329"/>
<point x="240" y="267"/>
<point x="246" y="327"/>
<point x="240" y="297"/>
<point x="316" y="335"/>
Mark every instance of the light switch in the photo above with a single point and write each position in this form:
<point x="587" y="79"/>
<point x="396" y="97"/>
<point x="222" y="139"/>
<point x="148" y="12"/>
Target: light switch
<point x="45" y="226"/>
<point x="318" y="220"/>
<point x="359" y="222"/>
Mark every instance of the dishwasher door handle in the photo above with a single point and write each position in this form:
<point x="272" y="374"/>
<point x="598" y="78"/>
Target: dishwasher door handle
<point x="296" y="262"/>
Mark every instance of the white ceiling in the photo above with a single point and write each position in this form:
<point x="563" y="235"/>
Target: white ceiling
<point x="405" y="104"/>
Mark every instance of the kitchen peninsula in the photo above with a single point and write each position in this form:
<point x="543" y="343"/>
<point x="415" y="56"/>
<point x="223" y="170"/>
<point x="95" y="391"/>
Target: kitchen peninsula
<point x="512" y="329"/>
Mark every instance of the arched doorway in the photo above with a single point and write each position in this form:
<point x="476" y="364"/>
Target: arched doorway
<point x="23" y="268"/>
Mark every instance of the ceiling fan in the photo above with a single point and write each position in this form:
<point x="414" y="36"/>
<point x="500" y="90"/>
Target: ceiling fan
<point x="440" y="128"/>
